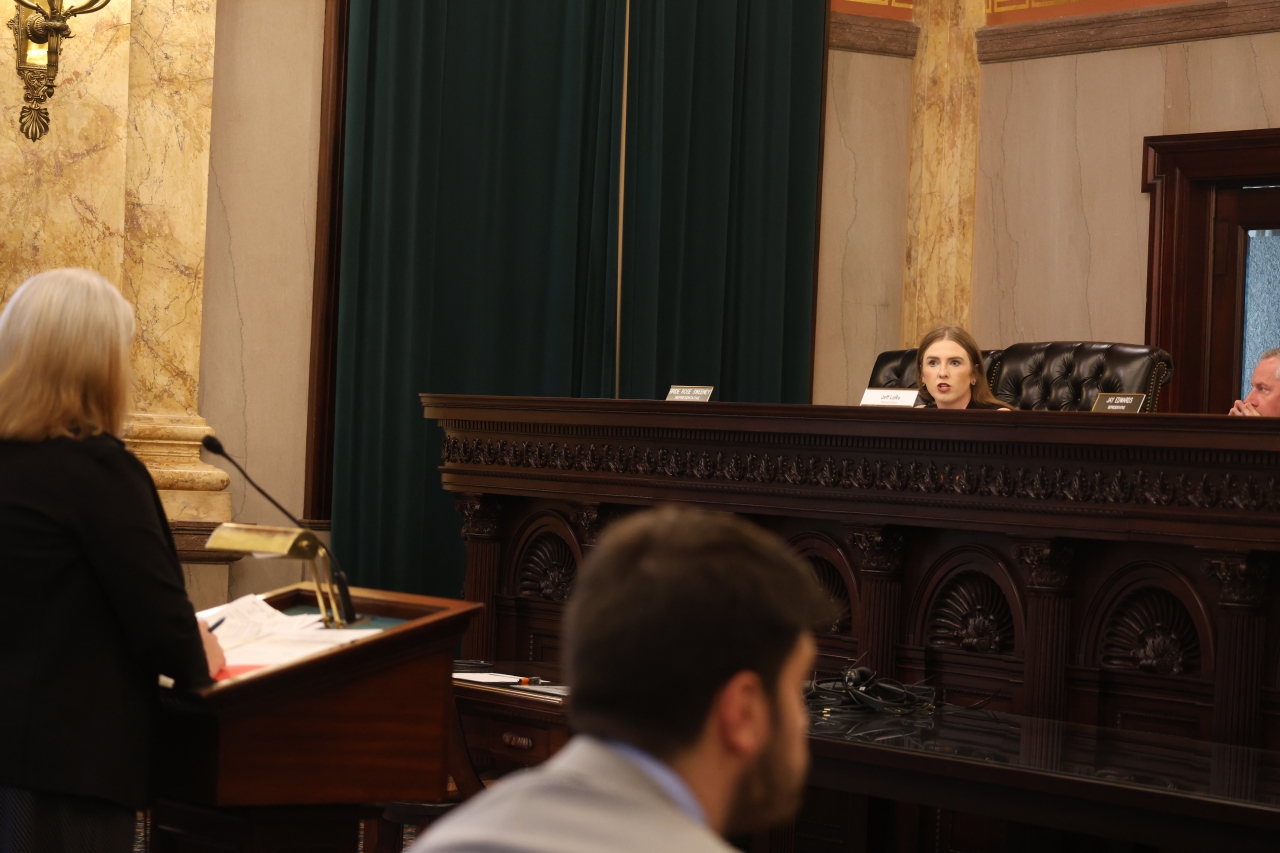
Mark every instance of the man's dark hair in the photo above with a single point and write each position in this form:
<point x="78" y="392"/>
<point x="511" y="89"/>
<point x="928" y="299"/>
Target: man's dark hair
<point x="671" y="604"/>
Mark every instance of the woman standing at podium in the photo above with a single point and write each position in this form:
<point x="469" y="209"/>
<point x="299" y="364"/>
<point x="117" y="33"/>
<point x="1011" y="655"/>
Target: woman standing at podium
<point x="92" y="602"/>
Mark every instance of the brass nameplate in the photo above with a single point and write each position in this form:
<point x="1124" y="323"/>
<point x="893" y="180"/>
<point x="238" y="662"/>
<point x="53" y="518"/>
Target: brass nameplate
<point x="1119" y="402"/>
<point x="691" y="393"/>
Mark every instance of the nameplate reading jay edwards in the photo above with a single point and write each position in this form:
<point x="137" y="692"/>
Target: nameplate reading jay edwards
<point x="1119" y="402"/>
<point x="691" y="393"/>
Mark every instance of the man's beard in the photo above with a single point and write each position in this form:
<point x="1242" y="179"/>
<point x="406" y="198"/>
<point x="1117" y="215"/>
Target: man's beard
<point x="767" y="795"/>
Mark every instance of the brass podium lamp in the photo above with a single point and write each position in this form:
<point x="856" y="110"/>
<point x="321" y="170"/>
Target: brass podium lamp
<point x="38" y="30"/>
<point x="294" y="542"/>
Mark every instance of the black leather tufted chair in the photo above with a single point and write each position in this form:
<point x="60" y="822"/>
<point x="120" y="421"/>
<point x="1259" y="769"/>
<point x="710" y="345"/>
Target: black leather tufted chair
<point x="896" y="368"/>
<point x="1070" y="375"/>
<point x="1054" y="376"/>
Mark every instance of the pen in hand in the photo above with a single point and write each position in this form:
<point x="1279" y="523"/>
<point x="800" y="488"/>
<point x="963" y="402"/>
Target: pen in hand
<point x="215" y="625"/>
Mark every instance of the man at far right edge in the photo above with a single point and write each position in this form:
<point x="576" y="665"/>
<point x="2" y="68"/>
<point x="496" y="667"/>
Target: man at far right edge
<point x="1264" y="399"/>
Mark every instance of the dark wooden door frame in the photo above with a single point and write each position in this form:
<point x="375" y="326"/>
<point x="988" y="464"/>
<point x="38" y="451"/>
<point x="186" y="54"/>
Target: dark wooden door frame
<point x="318" y="489"/>
<point x="1183" y="174"/>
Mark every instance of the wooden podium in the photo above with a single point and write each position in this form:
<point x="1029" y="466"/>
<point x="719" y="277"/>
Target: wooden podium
<point x="291" y="757"/>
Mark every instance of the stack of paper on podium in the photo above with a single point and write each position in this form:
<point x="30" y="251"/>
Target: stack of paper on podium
<point x="253" y="634"/>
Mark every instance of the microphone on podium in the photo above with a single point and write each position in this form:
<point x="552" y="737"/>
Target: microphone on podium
<point x="211" y="444"/>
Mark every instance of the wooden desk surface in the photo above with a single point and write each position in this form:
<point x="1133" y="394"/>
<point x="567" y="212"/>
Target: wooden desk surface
<point x="1153" y="789"/>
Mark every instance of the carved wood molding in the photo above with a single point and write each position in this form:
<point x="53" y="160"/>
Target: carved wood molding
<point x="547" y="569"/>
<point x="1153" y="25"/>
<point x="881" y="548"/>
<point x="1212" y="483"/>
<point x="1243" y="578"/>
<point x="860" y="34"/>
<point x="479" y="516"/>
<point x="1047" y="563"/>
<point x="1151" y="631"/>
<point x="971" y="614"/>
<point x="587" y="523"/>
<point x="1058" y="486"/>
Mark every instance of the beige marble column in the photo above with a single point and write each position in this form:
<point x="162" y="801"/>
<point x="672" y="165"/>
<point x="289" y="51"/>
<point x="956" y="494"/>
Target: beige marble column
<point x="119" y="185"/>
<point x="942" y="171"/>
<point x="165" y="189"/>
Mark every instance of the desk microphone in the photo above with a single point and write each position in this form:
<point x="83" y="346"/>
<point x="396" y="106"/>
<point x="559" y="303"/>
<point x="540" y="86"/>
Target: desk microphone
<point x="211" y="444"/>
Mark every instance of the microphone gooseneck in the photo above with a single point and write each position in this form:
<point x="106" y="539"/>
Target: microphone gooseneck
<point x="211" y="444"/>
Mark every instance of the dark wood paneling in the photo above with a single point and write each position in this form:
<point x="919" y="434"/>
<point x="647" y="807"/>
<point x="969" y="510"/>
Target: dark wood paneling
<point x="1175" y="22"/>
<point x="860" y="34"/>
<point x="1081" y="538"/>
<point x="366" y="722"/>
<point x="1004" y="790"/>
<point x="318" y="495"/>
<point x="1193" y="282"/>
<point x="1114" y="628"/>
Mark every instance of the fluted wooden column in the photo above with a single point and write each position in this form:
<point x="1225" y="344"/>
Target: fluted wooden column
<point x="1048" y="619"/>
<point x="480" y="515"/>
<point x="1238" y="670"/>
<point x="1241" y="645"/>
<point x="1044" y="676"/>
<point x="880" y="595"/>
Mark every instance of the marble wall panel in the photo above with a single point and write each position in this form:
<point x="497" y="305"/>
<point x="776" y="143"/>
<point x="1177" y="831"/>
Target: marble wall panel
<point x="863" y="242"/>
<point x="1061" y="242"/>
<point x="170" y="98"/>
<point x="1222" y="84"/>
<point x="259" y="251"/>
<point x="60" y="197"/>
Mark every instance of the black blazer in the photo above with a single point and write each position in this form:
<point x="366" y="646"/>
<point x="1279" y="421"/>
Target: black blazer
<point x="92" y="609"/>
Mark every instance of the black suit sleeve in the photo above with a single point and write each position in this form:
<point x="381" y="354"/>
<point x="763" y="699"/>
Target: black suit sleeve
<point x="132" y="554"/>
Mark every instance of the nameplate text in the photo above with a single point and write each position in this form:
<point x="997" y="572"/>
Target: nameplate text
<point x="691" y="393"/>
<point x="890" y="397"/>
<point x="1119" y="402"/>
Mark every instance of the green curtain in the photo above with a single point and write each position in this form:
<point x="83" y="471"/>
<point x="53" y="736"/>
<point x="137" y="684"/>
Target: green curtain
<point x="480" y="196"/>
<point x="480" y="221"/>
<point x="723" y="147"/>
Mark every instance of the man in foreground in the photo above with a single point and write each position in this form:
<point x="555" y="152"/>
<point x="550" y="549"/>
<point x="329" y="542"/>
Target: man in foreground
<point x="1264" y="399"/>
<point x="689" y="638"/>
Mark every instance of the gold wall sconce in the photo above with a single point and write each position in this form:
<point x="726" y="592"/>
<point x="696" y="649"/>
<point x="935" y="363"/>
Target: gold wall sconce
<point x="38" y="31"/>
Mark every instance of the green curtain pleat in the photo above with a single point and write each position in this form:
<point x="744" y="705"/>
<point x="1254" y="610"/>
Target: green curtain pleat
<point x="723" y="146"/>
<point x="480" y="222"/>
<point x="480" y="196"/>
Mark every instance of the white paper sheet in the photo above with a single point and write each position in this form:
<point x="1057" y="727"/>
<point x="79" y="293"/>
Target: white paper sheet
<point x="249" y="618"/>
<point x="487" y="677"/>
<point x="288" y="646"/>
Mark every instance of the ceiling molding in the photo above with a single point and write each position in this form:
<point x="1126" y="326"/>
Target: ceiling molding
<point x="1152" y="25"/>
<point x="864" y="34"/>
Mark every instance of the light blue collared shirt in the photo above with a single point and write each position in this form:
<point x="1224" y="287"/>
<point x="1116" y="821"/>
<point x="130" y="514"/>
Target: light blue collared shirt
<point x="664" y="777"/>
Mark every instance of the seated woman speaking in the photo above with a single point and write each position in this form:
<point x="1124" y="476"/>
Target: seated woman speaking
<point x="949" y="365"/>
<point x="92" y="598"/>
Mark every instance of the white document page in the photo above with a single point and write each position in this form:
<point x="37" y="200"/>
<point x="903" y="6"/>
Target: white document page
<point x="487" y="677"/>
<point x="252" y="633"/>
<point x="249" y="618"/>
<point x="289" y="646"/>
